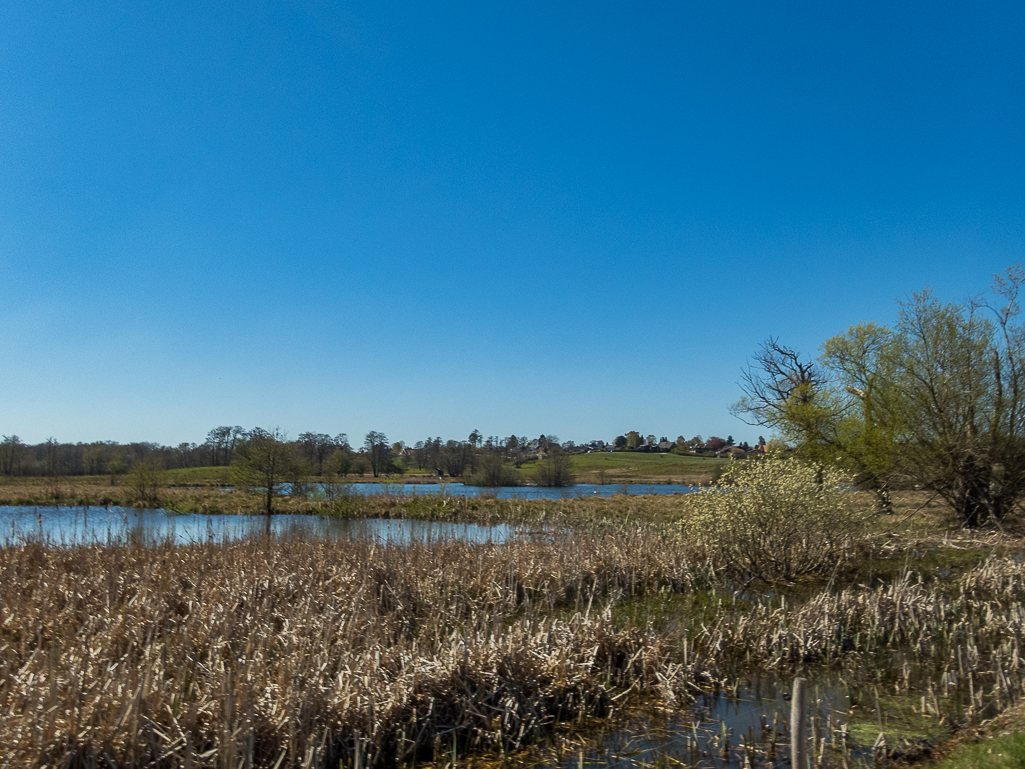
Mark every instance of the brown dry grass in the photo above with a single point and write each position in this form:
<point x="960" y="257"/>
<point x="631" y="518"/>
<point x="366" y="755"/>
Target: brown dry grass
<point x="306" y="652"/>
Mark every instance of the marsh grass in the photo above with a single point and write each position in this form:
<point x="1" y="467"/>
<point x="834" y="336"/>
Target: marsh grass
<point x="307" y="653"/>
<point x="303" y="652"/>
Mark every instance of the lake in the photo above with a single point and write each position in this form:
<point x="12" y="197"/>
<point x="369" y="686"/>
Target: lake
<point x="88" y="525"/>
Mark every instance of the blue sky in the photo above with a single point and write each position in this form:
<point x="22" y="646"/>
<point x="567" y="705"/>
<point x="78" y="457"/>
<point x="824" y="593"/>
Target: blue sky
<point x="430" y="218"/>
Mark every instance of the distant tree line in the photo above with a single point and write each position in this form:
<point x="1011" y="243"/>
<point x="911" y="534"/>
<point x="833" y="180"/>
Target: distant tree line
<point x="486" y="460"/>
<point x="635" y="441"/>
<point x="97" y="458"/>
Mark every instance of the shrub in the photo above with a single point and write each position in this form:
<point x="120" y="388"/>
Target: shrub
<point x="777" y="519"/>
<point x="554" y="469"/>
<point x="492" y="471"/>
<point x="146" y="481"/>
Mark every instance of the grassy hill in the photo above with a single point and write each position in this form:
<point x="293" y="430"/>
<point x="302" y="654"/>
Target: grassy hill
<point x="634" y="467"/>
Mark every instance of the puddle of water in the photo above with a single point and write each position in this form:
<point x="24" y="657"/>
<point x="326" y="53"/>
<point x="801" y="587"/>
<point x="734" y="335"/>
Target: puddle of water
<point x="747" y="726"/>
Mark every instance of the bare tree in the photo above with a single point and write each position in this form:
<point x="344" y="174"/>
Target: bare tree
<point x="377" y="452"/>
<point x="265" y="461"/>
<point x="779" y="379"/>
<point x="555" y="468"/>
<point x="11" y="449"/>
<point x="316" y="447"/>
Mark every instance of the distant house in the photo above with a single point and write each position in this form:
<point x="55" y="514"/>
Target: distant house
<point x="666" y="446"/>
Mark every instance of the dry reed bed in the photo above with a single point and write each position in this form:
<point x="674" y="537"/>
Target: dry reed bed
<point x="968" y="635"/>
<point x="307" y="652"/>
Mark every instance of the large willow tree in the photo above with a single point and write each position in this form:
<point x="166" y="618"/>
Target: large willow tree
<point x="939" y="398"/>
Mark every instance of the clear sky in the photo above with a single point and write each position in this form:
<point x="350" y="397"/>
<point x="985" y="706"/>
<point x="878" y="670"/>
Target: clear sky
<point x="523" y="218"/>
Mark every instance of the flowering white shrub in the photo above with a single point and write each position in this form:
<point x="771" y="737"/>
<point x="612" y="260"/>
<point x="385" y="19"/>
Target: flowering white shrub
<point x="777" y="519"/>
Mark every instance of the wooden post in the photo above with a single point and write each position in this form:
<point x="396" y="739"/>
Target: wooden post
<point x="798" y="736"/>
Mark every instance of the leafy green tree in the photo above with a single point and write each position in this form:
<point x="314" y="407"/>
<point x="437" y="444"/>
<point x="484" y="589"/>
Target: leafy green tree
<point x="947" y="384"/>
<point x="633" y="440"/>
<point x="939" y="398"/>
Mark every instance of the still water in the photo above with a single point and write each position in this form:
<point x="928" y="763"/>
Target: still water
<point x="83" y="525"/>
<point x="748" y="726"/>
<point x="86" y="525"/>
<point x="576" y="491"/>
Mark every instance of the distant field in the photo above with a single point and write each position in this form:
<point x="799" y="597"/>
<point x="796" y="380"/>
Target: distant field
<point x="599" y="468"/>
<point x="626" y="467"/>
<point x="645" y="462"/>
<point x="219" y="475"/>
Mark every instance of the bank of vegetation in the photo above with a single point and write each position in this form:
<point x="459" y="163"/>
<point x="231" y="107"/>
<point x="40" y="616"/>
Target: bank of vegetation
<point x="234" y="490"/>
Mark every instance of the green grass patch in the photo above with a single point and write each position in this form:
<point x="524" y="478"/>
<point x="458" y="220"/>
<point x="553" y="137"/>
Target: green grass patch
<point x="643" y="461"/>
<point x="901" y="717"/>
<point x="1007" y="752"/>
<point x="218" y="475"/>
<point x="635" y="467"/>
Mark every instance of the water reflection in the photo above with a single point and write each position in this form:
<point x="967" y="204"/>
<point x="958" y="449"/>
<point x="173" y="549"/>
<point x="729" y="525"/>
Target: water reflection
<point x="88" y="525"/>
